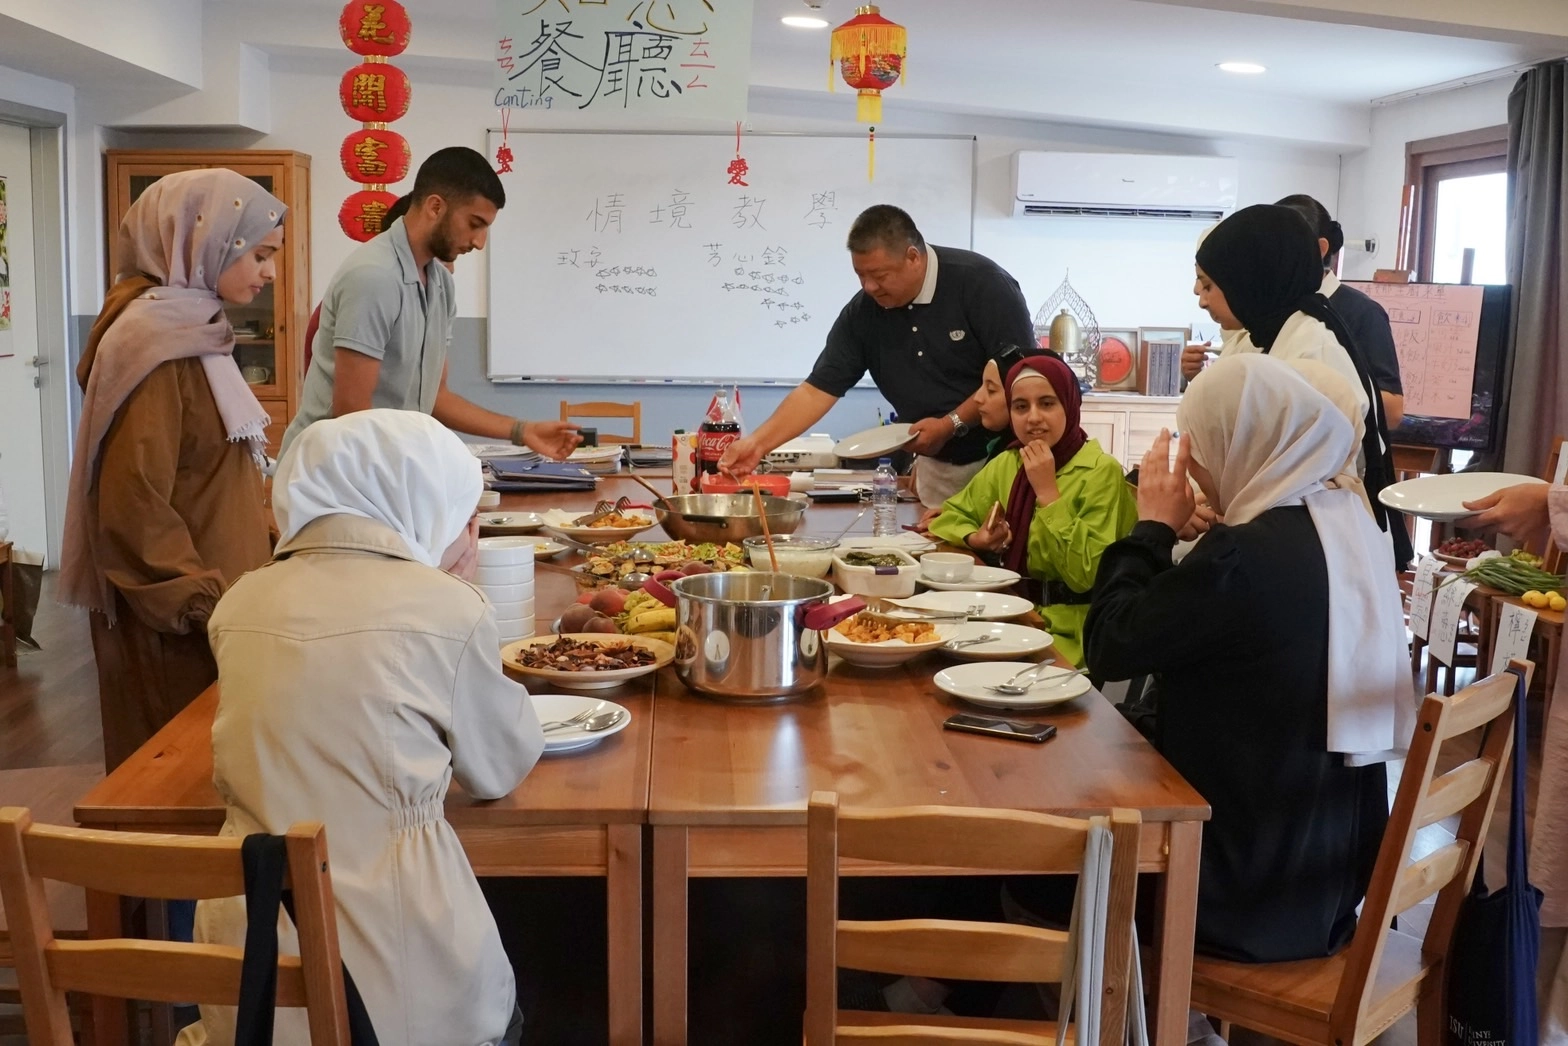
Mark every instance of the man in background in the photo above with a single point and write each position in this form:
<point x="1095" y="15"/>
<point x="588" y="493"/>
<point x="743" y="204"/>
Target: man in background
<point x="924" y="323"/>
<point x="386" y="319"/>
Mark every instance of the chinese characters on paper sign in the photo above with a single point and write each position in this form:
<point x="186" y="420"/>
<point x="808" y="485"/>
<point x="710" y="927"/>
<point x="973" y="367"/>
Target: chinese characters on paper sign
<point x="684" y="58"/>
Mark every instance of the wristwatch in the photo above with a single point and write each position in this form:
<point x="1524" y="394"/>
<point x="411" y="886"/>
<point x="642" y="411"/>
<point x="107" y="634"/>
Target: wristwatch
<point x="960" y="426"/>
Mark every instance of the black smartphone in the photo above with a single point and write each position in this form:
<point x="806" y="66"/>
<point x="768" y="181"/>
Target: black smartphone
<point x="996" y="726"/>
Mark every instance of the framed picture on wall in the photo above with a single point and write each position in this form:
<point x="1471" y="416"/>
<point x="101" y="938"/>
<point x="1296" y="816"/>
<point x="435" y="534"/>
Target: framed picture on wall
<point x="1117" y="366"/>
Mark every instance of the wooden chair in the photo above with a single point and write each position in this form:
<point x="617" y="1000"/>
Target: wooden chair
<point x="1350" y="998"/>
<point x="166" y="867"/>
<point x="607" y="409"/>
<point x="950" y="838"/>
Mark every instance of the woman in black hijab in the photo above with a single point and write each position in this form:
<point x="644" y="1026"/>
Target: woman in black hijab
<point x="1264" y="262"/>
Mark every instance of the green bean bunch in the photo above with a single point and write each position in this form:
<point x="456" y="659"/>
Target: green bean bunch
<point x="1507" y="574"/>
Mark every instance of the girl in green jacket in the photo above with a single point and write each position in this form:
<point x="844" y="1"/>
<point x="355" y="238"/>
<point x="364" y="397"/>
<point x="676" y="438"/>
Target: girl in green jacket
<point x="1066" y="500"/>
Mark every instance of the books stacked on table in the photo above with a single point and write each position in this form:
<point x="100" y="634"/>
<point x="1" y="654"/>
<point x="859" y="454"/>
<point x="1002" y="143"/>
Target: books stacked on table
<point x="601" y="461"/>
<point x="644" y="456"/>
<point x="519" y="476"/>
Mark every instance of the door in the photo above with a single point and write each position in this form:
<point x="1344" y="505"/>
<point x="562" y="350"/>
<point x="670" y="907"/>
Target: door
<point x="21" y="433"/>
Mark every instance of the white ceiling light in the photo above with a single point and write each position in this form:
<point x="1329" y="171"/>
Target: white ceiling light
<point x="1243" y="68"/>
<point x="804" y="22"/>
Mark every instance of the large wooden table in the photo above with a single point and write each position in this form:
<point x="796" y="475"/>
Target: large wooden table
<point x="724" y="787"/>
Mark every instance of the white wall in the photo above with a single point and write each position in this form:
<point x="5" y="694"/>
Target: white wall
<point x="1374" y="180"/>
<point x="1132" y="273"/>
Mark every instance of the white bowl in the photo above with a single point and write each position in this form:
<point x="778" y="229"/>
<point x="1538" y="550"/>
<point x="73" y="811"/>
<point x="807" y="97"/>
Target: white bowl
<point x="502" y="550"/>
<point x="888" y="652"/>
<point x="520" y="609"/>
<point x="887" y="582"/>
<point x="947" y="566"/>
<point x="488" y="576"/>
<point x="505" y="595"/>
<point x="489" y="499"/>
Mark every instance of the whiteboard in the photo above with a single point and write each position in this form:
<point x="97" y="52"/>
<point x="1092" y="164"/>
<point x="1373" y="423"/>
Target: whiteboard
<point x="1437" y="329"/>
<point x="630" y="256"/>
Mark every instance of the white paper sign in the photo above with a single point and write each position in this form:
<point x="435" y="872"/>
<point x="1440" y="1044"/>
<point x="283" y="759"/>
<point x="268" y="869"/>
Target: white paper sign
<point x="650" y="62"/>
<point x="1446" y="611"/>
<point x="1421" y="596"/>
<point x="1513" y="635"/>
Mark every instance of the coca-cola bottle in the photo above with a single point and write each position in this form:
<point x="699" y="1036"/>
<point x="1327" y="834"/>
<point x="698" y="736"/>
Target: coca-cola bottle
<point x="719" y="428"/>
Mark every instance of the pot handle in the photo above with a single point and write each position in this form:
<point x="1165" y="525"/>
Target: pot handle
<point x="660" y="591"/>
<point x="721" y="521"/>
<point x="824" y="616"/>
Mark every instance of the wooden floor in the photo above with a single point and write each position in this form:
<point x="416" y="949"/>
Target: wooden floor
<point x="49" y="717"/>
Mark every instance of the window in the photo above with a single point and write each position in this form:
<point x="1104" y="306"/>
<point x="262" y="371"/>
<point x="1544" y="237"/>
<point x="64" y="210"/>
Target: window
<point x="1459" y="205"/>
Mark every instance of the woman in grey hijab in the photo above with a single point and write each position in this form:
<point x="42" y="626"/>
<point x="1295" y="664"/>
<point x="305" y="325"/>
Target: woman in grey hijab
<point x="166" y="508"/>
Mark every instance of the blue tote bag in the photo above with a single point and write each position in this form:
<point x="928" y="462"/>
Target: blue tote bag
<point x="1497" y="940"/>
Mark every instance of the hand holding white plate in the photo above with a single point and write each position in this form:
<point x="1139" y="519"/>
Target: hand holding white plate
<point x="875" y="443"/>
<point x="1442" y="498"/>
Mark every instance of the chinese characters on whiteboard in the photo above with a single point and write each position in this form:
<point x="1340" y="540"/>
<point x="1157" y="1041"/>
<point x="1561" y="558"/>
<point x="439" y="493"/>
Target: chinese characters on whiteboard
<point x="753" y="266"/>
<point x="653" y="58"/>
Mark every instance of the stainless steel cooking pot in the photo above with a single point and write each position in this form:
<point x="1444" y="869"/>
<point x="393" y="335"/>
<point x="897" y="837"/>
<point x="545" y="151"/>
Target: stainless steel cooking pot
<point x="725" y="517"/>
<point x="754" y="636"/>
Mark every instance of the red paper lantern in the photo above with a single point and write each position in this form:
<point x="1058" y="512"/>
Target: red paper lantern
<point x="375" y="92"/>
<point x="378" y="27"/>
<point x="375" y="156"/>
<point x="364" y="214"/>
<point x="869" y="51"/>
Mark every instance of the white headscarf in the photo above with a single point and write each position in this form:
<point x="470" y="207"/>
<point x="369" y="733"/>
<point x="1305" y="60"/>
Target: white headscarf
<point x="401" y="468"/>
<point x="1342" y="394"/>
<point x="1270" y="439"/>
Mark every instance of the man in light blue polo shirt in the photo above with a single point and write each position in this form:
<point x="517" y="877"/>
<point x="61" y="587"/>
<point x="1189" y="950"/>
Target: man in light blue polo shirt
<point x="386" y="319"/>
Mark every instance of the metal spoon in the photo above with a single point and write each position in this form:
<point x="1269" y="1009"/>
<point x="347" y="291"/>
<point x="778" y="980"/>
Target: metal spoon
<point x="959" y="644"/>
<point x="1012" y="689"/>
<point x="633" y="581"/>
<point x="602" y="721"/>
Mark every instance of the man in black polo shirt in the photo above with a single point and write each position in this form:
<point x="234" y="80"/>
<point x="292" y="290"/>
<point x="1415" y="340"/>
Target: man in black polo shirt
<point x="924" y="323"/>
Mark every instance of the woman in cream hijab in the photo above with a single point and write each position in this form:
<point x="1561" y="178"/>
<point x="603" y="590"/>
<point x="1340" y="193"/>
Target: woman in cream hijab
<point x="1288" y="683"/>
<point x="165" y="509"/>
<point x="359" y="678"/>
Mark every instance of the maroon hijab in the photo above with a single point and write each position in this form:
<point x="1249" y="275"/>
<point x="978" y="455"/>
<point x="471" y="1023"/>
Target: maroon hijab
<point x="1020" y="501"/>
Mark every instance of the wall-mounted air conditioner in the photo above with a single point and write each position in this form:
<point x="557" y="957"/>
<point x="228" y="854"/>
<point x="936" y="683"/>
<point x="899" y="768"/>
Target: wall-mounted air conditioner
<point x="1123" y="185"/>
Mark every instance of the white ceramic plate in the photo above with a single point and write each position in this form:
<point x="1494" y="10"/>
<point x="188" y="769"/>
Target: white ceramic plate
<point x="888" y="652"/>
<point x="984" y="579"/>
<point x="904" y="541"/>
<point x="874" y="443"/>
<point x="663" y="653"/>
<point x="994" y="606"/>
<point x="1442" y="498"/>
<point x="601" y="535"/>
<point x="969" y="683"/>
<point x="555" y="707"/>
<point x="497" y="522"/>
<point x="1009" y="642"/>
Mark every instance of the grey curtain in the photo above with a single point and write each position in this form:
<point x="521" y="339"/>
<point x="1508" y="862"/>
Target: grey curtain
<point x="1535" y="407"/>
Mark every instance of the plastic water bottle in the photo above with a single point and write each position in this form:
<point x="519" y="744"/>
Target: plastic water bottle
<point x="884" y="500"/>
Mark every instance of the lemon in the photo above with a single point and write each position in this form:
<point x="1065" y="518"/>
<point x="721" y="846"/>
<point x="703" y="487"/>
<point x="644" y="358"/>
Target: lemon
<point x="1533" y="598"/>
<point x="1556" y="601"/>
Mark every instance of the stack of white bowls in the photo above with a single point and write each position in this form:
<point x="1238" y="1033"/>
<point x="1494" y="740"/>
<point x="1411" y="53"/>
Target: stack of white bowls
<point x="506" y="576"/>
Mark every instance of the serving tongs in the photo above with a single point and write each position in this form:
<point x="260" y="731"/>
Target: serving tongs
<point x="602" y="509"/>
<point x="889" y="612"/>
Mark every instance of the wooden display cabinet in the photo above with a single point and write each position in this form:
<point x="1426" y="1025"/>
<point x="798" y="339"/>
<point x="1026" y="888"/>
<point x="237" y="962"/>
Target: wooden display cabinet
<point x="270" y="331"/>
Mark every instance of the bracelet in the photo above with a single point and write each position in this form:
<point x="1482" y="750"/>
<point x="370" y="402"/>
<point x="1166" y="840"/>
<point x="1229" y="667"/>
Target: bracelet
<point x="517" y="433"/>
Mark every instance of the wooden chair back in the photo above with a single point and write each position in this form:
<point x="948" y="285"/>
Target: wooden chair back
<point x="948" y="838"/>
<point x="1398" y="883"/>
<point x="166" y="867"/>
<point x="607" y="409"/>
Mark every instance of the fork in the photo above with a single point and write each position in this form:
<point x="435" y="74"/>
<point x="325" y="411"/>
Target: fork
<point x="581" y="717"/>
<point x="887" y="608"/>
<point x="600" y="509"/>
